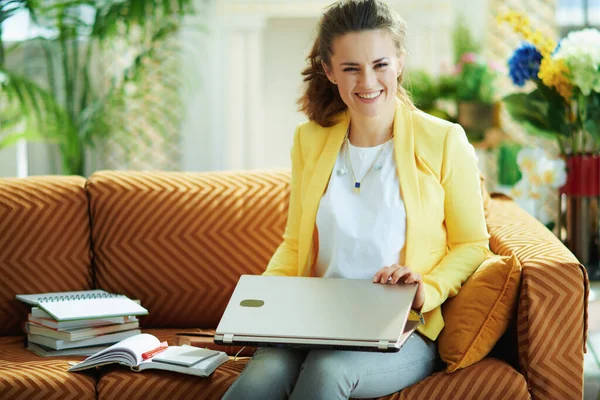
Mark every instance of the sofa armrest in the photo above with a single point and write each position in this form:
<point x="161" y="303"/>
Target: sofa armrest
<point x="552" y="309"/>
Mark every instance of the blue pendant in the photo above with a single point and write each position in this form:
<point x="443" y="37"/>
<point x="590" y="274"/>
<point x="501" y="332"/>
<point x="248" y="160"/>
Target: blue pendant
<point x="357" y="187"/>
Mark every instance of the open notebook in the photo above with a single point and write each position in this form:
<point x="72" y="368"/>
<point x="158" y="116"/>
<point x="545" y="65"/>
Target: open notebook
<point x="183" y="359"/>
<point x="89" y="304"/>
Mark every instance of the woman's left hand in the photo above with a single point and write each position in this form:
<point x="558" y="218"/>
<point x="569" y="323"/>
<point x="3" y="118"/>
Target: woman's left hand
<point x="395" y="273"/>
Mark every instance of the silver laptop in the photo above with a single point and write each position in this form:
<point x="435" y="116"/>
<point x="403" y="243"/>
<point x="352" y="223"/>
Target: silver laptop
<point x="344" y="314"/>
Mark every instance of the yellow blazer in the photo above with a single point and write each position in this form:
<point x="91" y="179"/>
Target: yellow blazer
<point x="446" y="233"/>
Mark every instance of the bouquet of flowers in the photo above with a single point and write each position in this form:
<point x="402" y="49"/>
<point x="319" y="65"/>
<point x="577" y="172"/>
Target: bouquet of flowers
<point x="565" y="104"/>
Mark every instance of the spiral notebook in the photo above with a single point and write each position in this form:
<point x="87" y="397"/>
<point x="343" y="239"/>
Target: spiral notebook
<point x="89" y="304"/>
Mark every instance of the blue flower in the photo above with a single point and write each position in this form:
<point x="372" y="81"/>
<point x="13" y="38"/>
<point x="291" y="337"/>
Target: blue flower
<point x="524" y="64"/>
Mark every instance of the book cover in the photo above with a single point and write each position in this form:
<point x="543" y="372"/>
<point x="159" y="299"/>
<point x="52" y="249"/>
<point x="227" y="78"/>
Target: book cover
<point x="41" y="317"/>
<point x="90" y="304"/>
<point x="44" y="351"/>
<point x="60" y="344"/>
<point x="129" y="352"/>
<point x="80" y="333"/>
<point x="36" y="298"/>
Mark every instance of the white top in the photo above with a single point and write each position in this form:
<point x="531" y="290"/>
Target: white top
<point x="359" y="233"/>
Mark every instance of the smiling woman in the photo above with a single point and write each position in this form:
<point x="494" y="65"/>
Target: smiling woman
<point x="364" y="56"/>
<point x="380" y="191"/>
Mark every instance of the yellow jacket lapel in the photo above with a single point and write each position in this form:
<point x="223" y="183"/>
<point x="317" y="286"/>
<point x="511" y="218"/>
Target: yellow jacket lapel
<point x="404" y="148"/>
<point x="316" y="187"/>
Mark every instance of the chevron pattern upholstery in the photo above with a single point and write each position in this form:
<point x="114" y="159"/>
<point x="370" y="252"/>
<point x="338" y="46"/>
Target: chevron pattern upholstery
<point x="25" y="376"/>
<point x="489" y="379"/>
<point x="44" y="242"/>
<point x="180" y="241"/>
<point x="552" y="310"/>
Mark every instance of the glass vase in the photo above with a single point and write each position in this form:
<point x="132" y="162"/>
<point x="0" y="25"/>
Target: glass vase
<point x="579" y="218"/>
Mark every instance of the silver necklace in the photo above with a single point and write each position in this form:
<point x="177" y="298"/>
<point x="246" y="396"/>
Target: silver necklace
<point x="376" y="164"/>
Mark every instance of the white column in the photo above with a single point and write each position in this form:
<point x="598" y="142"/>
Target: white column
<point x="22" y="161"/>
<point x="244" y="124"/>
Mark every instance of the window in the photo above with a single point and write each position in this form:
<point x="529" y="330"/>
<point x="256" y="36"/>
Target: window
<point x="577" y="14"/>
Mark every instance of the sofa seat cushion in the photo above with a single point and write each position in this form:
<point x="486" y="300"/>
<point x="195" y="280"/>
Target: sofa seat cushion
<point x="489" y="379"/>
<point x="118" y="382"/>
<point x="24" y="375"/>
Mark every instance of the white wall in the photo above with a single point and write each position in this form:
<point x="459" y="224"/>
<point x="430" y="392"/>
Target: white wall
<point x="8" y="162"/>
<point x="287" y="41"/>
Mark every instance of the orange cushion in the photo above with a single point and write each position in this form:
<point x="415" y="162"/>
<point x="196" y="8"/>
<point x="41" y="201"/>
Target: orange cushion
<point x="480" y="313"/>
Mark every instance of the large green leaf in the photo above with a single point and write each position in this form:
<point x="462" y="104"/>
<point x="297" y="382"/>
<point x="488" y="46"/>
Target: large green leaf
<point x="24" y="99"/>
<point x="10" y="7"/>
<point x="10" y="139"/>
<point x="523" y="107"/>
<point x="592" y="121"/>
<point x="135" y="12"/>
<point x="539" y="114"/>
<point x="556" y="111"/>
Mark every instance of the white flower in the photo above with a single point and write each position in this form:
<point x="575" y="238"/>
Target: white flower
<point x="3" y="78"/>
<point x="553" y="173"/>
<point x="527" y="159"/>
<point x="581" y="52"/>
<point x="543" y="215"/>
<point x="519" y="190"/>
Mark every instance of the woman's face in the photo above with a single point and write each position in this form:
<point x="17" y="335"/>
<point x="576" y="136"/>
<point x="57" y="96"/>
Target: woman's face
<point x="365" y="67"/>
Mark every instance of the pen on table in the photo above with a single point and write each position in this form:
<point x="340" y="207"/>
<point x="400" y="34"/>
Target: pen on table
<point x="151" y="353"/>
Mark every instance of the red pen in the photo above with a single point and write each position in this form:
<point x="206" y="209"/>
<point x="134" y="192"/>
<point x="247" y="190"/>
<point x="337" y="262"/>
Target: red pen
<point x="149" y="354"/>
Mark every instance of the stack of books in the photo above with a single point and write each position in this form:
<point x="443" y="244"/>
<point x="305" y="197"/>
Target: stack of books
<point x="79" y="323"/>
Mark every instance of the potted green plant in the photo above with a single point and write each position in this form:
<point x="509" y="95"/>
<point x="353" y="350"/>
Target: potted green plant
<point x="426" y="91"/>
<point x="471" y="85"/>
<point x="476" y="108"/>
<point x="70" y="108"/>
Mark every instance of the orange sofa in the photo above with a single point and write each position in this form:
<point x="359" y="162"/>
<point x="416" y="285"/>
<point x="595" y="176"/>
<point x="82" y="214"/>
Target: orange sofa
<point x="179" y="242"/>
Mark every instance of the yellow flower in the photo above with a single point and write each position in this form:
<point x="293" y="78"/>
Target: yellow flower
<point x="554" y="73"/>
<point x="525" y="31"/>
<point x="536" y="38"/>
<point x="521" y="25"/>
<point x="511" y="17"/>
<point x="547" y="48"/>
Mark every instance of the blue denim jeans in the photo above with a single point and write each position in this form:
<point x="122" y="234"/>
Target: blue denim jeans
<point x="276" y="373"/>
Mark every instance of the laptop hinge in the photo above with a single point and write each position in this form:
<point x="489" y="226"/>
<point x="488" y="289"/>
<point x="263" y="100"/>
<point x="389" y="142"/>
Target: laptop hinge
<point x="228" y="338"/>
<point x="382" y="344"/>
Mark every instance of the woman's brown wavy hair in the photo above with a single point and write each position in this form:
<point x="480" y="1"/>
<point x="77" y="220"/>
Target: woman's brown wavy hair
<point x="321" y="100"/>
